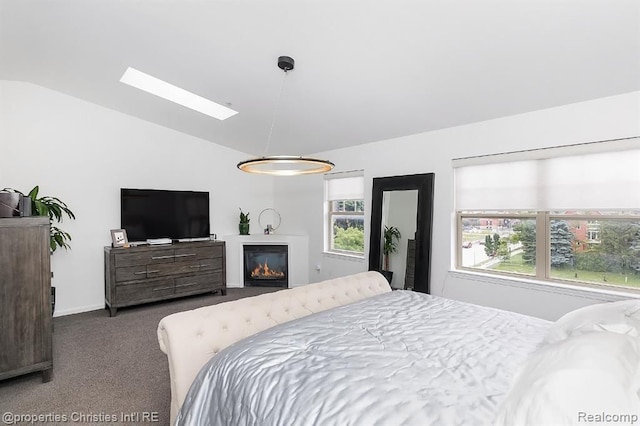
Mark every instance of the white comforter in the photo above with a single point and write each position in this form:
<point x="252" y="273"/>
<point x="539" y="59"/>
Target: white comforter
<point x="400" y="358"/>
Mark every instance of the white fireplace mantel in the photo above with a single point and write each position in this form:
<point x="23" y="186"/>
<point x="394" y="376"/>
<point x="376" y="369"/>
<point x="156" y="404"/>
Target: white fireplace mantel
<point x="298" y="256"/>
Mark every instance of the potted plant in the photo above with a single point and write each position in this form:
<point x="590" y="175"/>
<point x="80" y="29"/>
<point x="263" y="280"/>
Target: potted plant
<point x="55" y="209"/>
<point x="243" y="226"/>
<point x="391" y="239"/>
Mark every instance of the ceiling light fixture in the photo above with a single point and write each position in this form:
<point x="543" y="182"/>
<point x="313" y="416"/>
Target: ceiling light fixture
<point x="172" y="93"/>
<point x="284" y="165"/>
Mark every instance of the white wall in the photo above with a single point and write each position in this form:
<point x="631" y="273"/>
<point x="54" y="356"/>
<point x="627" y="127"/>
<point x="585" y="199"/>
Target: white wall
<point x="84" y="154"/>
<point x="606" y="118"/>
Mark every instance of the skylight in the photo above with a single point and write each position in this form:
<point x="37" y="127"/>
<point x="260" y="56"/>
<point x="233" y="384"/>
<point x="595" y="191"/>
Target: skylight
<point x="168" y="91"/>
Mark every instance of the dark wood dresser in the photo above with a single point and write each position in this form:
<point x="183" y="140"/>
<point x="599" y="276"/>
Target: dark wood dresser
<point x="142" y="274"/>
<point x="410" y="271"/>
<point x="25" y="297"/>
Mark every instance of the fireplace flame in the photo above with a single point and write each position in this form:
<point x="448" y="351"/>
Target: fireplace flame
<point x="263" y="271"/>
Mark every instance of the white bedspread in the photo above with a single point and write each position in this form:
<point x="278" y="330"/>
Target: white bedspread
<point x="400" y="358"/>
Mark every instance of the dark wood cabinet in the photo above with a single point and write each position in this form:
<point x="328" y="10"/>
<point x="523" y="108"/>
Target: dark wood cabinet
<point x="410" y="270"/>
<point x="25" y="297"/>
<point x="143" y="274"/>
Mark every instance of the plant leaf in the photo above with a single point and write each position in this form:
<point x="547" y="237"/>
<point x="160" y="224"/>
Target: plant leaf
<point x="41" y="208"/>
<point x="33" y="194"/>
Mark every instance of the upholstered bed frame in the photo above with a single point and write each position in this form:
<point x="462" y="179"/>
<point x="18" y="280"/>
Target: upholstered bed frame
<point x="191" y="338"/>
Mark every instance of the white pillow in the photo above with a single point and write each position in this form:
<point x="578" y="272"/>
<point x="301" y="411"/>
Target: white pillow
<point x="617" y="317"/>
<point x="564" y="382"/>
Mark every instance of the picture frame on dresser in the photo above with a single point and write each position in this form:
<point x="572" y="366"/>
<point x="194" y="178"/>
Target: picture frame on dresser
<point x="119" y="238"/>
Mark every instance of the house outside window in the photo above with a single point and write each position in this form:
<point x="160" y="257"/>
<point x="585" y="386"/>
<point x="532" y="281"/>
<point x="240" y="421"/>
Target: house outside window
<point x="345" y="213"/>
<point x="569" y="215"/>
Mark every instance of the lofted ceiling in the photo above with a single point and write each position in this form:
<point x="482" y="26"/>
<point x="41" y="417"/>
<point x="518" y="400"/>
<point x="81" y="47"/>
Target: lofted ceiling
<point x="365" y="70"/>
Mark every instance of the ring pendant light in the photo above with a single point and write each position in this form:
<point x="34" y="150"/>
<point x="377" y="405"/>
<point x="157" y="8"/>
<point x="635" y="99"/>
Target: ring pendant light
<point x="284" y="165"/>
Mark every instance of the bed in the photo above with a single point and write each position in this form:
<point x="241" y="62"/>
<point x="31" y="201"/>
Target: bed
<point x="407" y="358"/>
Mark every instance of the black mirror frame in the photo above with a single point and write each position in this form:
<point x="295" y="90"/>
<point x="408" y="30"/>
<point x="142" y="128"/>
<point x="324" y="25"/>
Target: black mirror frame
<point x="424" y="183"/>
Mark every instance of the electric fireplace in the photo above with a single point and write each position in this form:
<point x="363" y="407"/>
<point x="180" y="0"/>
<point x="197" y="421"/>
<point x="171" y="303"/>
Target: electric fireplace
<point x="266" y="265"/>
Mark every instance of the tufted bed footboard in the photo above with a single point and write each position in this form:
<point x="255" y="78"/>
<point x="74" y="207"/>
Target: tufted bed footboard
<point x="191" y="338"/>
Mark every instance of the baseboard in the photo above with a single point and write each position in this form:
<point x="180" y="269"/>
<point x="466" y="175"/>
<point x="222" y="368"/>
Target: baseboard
<point x="234" y="285"/>
<point x="64" y="312"/>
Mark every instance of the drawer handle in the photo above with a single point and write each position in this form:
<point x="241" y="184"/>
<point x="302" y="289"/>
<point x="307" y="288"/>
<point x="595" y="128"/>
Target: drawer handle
<point x="153" y="272"/>
<point x="195" y="266"/>
<point x="163" y="257"/>
<point x="186" y="285"/>
<point x="185" y="255"/>
<point x="162" y="288"/>
<point x="140" y="273"/>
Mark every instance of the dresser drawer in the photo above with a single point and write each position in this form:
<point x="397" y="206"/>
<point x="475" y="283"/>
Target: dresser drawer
<point x="168" y="269"/>
<point x="178" y="268"/>
<point x="198" y="283"/>
<point x="197" y="253"/>
<point x="146" y="290"/>
<point x="144" y="258"/>
<point x="131" y="273"/>
<point x="212" y="264"/>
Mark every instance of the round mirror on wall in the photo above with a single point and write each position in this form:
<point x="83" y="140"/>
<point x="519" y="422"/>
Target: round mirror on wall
<point x="269" y="220"/>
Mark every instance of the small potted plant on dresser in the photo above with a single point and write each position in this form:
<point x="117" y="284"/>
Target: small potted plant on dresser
<point x="243" y="226"/>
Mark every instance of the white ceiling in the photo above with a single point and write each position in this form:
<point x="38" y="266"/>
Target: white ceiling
<point x="365" y="70"/>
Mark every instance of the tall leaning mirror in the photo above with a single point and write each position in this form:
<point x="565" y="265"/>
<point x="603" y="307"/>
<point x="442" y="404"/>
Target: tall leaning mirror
<point x="401" y="225"/>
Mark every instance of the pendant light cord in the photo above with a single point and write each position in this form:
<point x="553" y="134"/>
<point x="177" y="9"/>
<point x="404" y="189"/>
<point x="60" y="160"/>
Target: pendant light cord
<point x="283" y="165"/>
<point x="275" y="115"/>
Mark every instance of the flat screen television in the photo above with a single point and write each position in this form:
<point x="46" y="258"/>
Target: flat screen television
<point x="153" y="213"/>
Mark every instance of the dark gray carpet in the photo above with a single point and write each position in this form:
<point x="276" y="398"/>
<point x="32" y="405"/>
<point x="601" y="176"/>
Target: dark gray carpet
<point x="106" y="366"/>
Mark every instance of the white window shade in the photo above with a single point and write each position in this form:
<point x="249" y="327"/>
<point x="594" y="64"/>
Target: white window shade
<point x="501" y="186"/>
<point x="592" y="181"/>
<point x="345" y="186"/>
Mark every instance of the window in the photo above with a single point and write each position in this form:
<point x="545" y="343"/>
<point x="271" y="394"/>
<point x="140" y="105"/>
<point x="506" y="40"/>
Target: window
<point x="593" y="231"/>
<point x="344" y="199"/>
<point x="503" y="242"/>
<point x="569" y="214"/>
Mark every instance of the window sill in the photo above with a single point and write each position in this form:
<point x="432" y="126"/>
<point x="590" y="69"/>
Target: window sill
<point x="343" y="256"/>
<point x="599" y="294"/>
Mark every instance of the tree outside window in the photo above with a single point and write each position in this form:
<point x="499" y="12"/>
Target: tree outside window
<point x="347" y="224"/>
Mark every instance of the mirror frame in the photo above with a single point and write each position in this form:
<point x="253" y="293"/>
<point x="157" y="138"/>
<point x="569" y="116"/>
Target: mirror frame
<point x="424" y="183"/>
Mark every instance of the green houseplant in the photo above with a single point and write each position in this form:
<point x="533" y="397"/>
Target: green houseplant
<point x="243" y="226"/>
<point x="391" y="239"/>
<point x="55" y="209"/>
